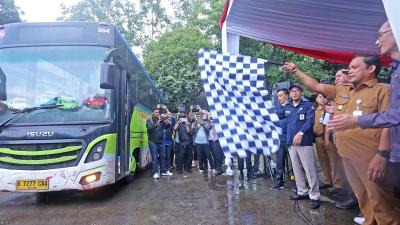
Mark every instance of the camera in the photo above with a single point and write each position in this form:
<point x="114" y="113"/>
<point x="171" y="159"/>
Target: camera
<point x="196" y="108"/>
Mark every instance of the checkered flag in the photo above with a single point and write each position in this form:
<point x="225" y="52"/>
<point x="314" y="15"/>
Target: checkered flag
<point x="239" y="103"/>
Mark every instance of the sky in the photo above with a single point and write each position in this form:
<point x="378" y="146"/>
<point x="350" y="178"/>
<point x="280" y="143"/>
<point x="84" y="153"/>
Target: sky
<point x="42" y="10"/>
<point x="49" y="10"/>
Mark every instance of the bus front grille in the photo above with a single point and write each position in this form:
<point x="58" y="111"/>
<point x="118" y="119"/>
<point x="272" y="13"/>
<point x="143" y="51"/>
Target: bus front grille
<point x="40" y="156"/>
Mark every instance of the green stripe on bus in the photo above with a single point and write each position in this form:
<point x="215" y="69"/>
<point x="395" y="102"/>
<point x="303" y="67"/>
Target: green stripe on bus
<point x="37" y="162"/>
<point x="40" y="153"/>
<point x="111" y="143"/>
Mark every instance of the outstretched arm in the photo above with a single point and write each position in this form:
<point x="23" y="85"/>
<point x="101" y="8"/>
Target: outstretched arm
<point x="307" y="80"/>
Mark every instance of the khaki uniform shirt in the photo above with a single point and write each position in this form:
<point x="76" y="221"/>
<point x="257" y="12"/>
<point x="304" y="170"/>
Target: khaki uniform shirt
<point x="318" y="127"/>
<point x="372" y="97"/>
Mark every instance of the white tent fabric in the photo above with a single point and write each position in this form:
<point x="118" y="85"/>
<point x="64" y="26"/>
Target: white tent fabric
<point x="328" y="25"/>
<point x="392" y="8"/>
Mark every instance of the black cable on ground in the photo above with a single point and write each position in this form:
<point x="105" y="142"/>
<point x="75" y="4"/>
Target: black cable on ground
<point x="302" y="216"/>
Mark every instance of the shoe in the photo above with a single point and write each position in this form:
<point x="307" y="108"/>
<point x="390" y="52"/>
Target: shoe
<point x="298" y="197"/>
<point x="314" y="204"/>
<point x="201" y="171"/>
<point x="179" y="171"/>
<point x="278" y="186"/>
<point x="359" y="220"/>
<point x="241" y="176"/>
<point x="167" y="173"/>
<point x="347" y="204"/>
<point x="219" y="172"/>
<point x="213" y="171"/>
<point x="156" y="176"/>
<point x="294" y="190"/>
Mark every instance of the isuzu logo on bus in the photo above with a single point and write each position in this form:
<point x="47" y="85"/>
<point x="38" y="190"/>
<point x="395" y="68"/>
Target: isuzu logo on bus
<point x="40" y="133"/>
<point x="103" y="30"/>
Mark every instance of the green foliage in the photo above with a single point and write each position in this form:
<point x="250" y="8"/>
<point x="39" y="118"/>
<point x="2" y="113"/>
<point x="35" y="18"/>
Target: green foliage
<point x="201" y="14"/>
<point x="172" y="63"/>
<point x="317" y="68"/>
<point x="121" y="13"/>
<point x="9" y="13"/>
<point x="154" y="17"/>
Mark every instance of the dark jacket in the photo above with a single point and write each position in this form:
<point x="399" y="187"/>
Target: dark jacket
<point x="156" y="132"/>
<point x="185" y="137"/>
<point x="300" y="118"/>
<point x="282" y="123"/>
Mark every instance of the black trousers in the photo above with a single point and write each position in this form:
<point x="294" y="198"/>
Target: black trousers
<point x="184" y="157"/>
<point x="217" y="154"/>
<point x="204" y="154"/>
<point x="248" y="164"/>
<point x="281" y="155"/>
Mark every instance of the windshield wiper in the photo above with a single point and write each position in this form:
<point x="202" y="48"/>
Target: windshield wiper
<point x="27" y="110"/>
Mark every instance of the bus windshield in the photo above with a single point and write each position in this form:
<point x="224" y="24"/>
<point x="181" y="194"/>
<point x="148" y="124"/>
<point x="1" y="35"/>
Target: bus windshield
<point x="67" y="76"/>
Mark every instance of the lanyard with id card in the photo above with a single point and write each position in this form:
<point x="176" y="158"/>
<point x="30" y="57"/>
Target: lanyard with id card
<point x="358" y="111"/>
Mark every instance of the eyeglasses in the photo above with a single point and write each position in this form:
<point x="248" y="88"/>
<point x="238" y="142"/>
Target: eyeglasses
<point x="383" y="32"/>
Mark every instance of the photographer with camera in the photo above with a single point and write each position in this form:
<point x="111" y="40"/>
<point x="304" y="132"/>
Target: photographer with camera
<point x="155" y="130"/>
<point x="184" y="153"/>
<point x="201" y="131"/>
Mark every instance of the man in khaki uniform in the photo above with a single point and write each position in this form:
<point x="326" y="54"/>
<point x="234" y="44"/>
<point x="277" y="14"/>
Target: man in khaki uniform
<point x="364" y="167"/>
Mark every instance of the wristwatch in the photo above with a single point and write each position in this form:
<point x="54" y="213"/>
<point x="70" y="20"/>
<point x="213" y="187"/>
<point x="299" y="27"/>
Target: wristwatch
<point x="384" y="153"/>
<point x="301" y="133"/>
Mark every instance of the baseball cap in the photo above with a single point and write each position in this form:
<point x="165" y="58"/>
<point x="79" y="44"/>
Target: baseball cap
<point x="296" y="85"/>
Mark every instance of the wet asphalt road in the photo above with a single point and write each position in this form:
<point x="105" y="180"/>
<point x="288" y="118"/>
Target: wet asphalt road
<point x="181" y="199"/>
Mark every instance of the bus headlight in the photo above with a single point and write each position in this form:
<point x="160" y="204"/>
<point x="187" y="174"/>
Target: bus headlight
<point x="97" y="152"/>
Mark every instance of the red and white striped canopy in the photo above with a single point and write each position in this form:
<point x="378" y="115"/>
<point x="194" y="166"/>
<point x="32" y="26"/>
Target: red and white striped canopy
<point x="333" y="30"/>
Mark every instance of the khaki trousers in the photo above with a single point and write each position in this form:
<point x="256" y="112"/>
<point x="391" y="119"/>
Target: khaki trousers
<point x="324" y="158"/>
<point x="302" y="157"/>
<point x="377" y="202"/>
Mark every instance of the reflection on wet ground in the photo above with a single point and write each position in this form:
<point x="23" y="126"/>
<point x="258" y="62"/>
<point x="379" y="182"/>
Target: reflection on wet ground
<point x="181" y="199"/>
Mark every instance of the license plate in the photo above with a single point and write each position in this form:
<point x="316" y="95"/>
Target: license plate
<point x="32" y="185"/>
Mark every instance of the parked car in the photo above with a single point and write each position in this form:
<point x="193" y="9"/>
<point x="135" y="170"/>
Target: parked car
<point x="96" y="102"/>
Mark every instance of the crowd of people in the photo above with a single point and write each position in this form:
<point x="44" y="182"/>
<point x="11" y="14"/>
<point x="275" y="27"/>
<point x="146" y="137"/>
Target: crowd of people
<point x="176" y="140"/>
<point x="352" y="130"/>
<point x="354" y="140"/>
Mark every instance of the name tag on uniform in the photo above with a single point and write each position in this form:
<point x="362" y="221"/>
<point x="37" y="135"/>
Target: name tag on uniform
<point x="327" y="117"/>
<point x="302" y="116"/>
<point x="287" y="113"/>
<point x="357" y="113"/>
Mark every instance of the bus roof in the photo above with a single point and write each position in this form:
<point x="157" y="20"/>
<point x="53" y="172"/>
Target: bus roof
<point x="57" y="33"/>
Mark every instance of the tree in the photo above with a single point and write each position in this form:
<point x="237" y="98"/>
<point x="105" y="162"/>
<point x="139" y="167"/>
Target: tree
<point x="172" y="63"/>
<point x="121" y="13"/>
<point x="9" y="13"/>
<point x="154" y="18"/>
<point x="201" y="14"/>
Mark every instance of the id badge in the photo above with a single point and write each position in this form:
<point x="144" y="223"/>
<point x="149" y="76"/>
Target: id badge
<point x="357" y="113"/>
<point x="302" y="116"/>
<point x="327" y="117"/>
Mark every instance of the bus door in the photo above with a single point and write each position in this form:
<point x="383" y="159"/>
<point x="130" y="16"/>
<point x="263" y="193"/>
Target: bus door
<point x="122" y="165"/>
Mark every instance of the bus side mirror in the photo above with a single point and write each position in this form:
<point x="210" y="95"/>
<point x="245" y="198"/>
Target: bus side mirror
<point x="3" y="86"/>
<point x="108" y="71"/>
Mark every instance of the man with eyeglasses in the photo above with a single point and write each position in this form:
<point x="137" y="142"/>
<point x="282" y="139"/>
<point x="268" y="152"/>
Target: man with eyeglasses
<point x="364" y="166"/>
<point x="300" y="138"/>
<point x="391" y="118"/>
